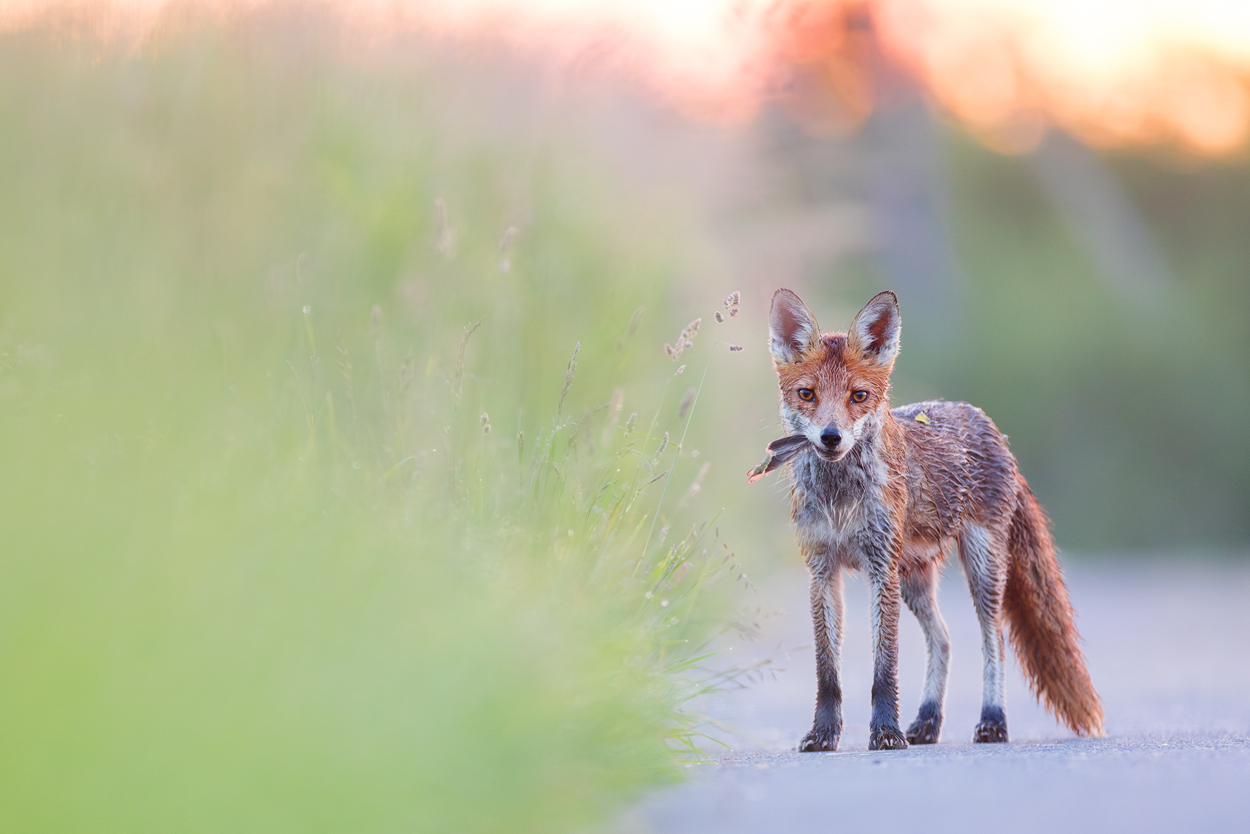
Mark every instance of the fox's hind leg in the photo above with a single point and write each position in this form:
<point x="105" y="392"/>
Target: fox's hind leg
<point x="983" y="555"/>
<point x="920" y="594"/>
<point x="826" y="591"/>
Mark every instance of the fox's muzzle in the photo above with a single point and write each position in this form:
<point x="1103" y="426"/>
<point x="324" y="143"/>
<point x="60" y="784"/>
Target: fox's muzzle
<point x="830" y="437"/>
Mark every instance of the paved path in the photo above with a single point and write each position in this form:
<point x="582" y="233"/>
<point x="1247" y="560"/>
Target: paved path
<point x="1168" y="643"/>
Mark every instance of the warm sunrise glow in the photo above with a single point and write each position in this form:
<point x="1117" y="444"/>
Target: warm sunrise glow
<point x="1115" y="72"/>
<point x="1112" y="71"/>
<point x="711" y="56"/>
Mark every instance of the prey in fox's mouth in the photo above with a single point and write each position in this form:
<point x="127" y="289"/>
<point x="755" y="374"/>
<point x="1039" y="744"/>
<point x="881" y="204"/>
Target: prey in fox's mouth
<point x="782" y="451"/>
<point x="778" y="454"/>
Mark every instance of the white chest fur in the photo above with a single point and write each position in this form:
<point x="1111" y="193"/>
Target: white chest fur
<point x="834" y="532"/>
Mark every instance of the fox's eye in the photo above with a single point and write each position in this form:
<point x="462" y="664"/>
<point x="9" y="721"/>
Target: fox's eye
<point x="807" y="394"/>
<point x="859" y="396"/>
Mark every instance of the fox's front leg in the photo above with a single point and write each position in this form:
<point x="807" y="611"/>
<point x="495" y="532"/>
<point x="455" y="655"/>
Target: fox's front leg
<point x="826" y="590"/>
<point x="881" y="559"/>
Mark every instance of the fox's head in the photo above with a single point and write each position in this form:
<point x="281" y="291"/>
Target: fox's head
<point x="835" y="387"/>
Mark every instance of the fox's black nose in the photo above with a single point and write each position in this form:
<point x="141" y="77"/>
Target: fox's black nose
<point x="831" y="437"/>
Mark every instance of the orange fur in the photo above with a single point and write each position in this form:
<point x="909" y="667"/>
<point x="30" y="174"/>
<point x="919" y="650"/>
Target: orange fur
<point x="1040" y="616"/>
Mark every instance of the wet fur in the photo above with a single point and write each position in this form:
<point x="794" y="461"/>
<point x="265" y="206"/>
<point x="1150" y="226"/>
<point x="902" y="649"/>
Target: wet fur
<point x="891" y="505"/>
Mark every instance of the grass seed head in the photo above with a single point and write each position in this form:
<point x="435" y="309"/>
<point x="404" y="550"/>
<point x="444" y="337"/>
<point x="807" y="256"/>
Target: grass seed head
<point x="614" y="408"/>
<point x="568" y="377"/>
<point x="457" y="381"/>
<point x="505" y="244"/>
<point x="444" y="235"/>
<point x="509" y="236"/>
<point x="685" y="340"/>
<point x="686" y="402"/>
<point x="634" y="321"/>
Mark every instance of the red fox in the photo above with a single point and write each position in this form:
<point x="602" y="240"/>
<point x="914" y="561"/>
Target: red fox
<point x="885" y="492"/>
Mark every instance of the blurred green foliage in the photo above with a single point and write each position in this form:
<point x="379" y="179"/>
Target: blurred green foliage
<point x="1124" y="396"/>
<point x="1128" y="420"/>
<point x="285" y="548"/>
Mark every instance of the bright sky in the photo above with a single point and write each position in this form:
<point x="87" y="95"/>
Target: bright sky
<point x="1114" y="71"/>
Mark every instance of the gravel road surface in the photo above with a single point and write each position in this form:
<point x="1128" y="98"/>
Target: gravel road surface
<point x="1168" y="643"/>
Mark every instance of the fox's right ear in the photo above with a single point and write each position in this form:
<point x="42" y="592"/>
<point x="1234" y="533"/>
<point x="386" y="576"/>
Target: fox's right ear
<point x="792" y="329"/>
<point x="874" y="333"/>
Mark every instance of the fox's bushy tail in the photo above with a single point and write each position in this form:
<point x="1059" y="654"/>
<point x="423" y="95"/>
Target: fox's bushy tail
<point x="1039" y="619"/>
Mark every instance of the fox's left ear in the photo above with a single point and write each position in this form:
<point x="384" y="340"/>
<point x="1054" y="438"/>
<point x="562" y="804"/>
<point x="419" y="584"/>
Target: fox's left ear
<point x="874" y="333"/>
<point x="792" y="329"/>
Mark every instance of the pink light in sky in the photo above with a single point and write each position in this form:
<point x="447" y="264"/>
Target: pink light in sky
<point x="1115" y="72"/>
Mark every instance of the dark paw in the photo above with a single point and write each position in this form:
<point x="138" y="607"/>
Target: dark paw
<point x="989" y="733"/>
<point x="927" y="726"/>
<point x="924" y="732"/>
<point x="993" y="727"/>
<point x="819" y="740"/>
<point x="887" y="738"/>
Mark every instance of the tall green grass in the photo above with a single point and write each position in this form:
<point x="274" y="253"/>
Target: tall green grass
<point x="288" y="544"/>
